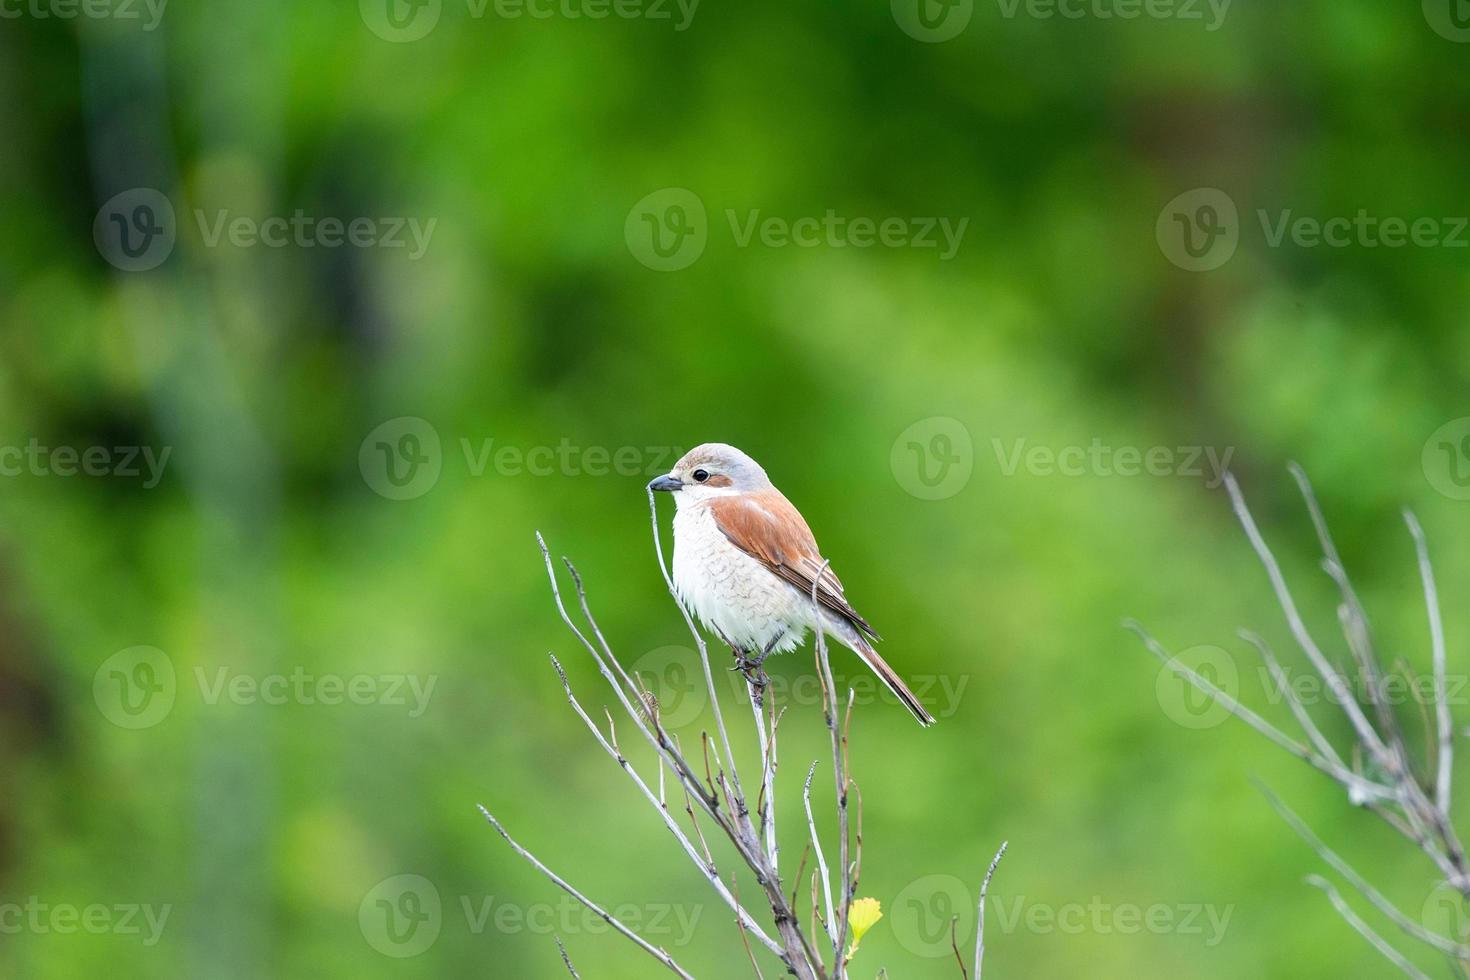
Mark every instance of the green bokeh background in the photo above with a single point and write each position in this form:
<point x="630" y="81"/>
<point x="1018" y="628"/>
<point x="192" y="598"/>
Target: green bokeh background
<point x="530" y="321"/>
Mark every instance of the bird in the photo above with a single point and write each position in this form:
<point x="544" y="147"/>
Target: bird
<point x="747" y="565"/>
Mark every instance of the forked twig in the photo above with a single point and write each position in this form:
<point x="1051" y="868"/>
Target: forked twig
<point x="1382" y="776"/>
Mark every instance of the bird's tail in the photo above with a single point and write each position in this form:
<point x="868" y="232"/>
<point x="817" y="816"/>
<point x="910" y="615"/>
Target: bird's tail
<point x="890" y="679"/>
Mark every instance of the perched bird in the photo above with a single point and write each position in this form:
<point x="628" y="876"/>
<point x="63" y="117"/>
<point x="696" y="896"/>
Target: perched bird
<point x="745" y="564"/>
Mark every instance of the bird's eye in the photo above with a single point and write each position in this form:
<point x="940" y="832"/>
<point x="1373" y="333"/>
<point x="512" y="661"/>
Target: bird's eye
<point x="701" y="475"/>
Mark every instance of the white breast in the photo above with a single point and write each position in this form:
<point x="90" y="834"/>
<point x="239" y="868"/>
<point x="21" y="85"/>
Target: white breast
<point x="734" y="595"/>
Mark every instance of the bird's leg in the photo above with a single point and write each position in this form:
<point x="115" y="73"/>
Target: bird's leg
<point x="750" y="667"/>
<point x="744" y="663"/>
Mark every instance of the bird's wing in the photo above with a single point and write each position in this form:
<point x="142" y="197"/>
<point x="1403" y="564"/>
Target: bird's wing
<point x="769" y="529"/>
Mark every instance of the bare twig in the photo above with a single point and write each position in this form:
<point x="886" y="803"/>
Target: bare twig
<point x="980" y="910"/>
<point x="1383" y="774"/>
<point x="1366" y="931"/>
<point x="1366" y="788"/>
<point x="1283" y="685"/>
<point x="1441" y="689"/>
<point x="567" y="960"/>
<point x="1304" y="639"/>
<point x="821" y="858"/>
<point x="1360" y="883"/>
<point x="846" y="885"/>
<point x="705" y="865"/>
<point x="954" y="946"/>
<point x="654" y="951"/>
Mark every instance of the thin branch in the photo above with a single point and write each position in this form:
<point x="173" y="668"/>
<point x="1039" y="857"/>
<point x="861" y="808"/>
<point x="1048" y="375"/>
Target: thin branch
<point x="1350" y="779"/>
<point x="1441" y="689"/>
<point x="954" y="945"/>
<point x="567" y="960"/>
<point x="1354" y="620"/>
<point x="654" y="951"/>
<point x="980" y="910"/>
<point x="1349" y="704"/>
<point x="822" y="872"/>
<point x="839" y="773"/>
<point x="1366" y="931"/>
<point x="705" y="865"/>
<point x="1360" y="883"/>
<point x="745" y="939"/>
<point x="1283" y="684"/>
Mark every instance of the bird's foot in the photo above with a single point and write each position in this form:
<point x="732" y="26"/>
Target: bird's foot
<point x="750" y="668"/>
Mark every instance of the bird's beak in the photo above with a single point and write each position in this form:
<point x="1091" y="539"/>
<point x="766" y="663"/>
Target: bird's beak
<point x="666" y="482"/>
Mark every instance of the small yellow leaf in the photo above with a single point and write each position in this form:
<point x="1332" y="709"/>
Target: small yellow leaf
<point x="863" y="915"/>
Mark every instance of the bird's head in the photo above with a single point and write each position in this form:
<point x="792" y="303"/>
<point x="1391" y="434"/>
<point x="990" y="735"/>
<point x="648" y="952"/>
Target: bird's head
<point x="712" y="470"/>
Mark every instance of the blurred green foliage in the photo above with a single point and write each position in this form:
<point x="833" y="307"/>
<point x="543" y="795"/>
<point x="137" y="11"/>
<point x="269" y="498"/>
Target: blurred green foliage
<point x="266" y="548"/>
